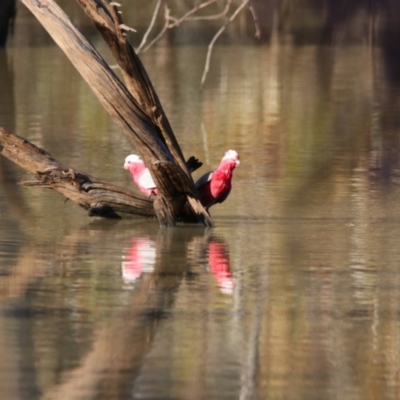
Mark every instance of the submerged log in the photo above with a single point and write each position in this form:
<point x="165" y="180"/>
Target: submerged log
<point x="98" y="197"/>
<point x="138" y="112"/>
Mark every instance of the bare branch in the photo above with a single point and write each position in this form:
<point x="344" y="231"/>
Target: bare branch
<point x="217" y="35"/>
<point x="153" y="20"/>
<point x="215" y="16"/>
<point x="139" y="116"/>
<point x="192" y="11"/>
<point x="257" y="32"/>
<point x="163" y="30"/>
<point x="176" y="21"/>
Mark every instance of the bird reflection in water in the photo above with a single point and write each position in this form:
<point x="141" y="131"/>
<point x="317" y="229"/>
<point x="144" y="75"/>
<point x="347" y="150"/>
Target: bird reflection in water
<point x="138" y="259"/>
<point x="219" y="265"/>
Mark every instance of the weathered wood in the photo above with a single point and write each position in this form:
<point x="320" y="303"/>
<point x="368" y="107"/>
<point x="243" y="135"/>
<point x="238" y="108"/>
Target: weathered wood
<point x="98" y="197"/>
<point x="180" y="200"/>
<point x="107" y="17"/>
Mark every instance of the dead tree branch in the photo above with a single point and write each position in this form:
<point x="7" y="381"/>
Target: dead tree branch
<point x="257" y="33"/>
<point x="220" y="15"/>
<point x="108" y="21"/>
<point x="217" y="35"/>
<point x="152" y="22"/>
<point x="163" y="30"/>
<point x="98" y="197"/>
<point x="173" y="22"/>
<point x="176" y="21"/>
<point x="136" y="111"/>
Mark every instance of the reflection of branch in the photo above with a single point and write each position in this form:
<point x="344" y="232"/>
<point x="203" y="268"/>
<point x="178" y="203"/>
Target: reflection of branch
<point x="176" y="21"/>
<point x="123" y="343"/>
<point x="217" y="35"/>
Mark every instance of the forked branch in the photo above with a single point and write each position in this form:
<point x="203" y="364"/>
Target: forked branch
<point x="217" y="35"/>
<point x="171" y="22"/>
<point x="136" y="108"/>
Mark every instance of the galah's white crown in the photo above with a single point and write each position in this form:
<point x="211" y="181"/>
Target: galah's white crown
<point x="131" y="159"/>
<point x="232" y="155"/>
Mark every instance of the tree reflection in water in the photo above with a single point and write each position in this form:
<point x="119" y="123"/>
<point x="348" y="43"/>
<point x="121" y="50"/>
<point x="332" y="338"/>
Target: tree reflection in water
<point x="153" y="268"/>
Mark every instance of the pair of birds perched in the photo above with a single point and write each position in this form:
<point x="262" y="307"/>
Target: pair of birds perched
<point x="213" y="187"/>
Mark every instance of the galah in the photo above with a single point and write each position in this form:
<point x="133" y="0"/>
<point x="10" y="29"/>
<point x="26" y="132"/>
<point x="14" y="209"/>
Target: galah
<point x="215" y="186"/>
<point x="141" y="175"/>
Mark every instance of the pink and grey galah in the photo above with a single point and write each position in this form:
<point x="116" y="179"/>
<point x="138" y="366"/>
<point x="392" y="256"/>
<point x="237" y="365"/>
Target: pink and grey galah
<point x="215" y="186"/>
<point x="212" y="187"/>
<point x="141" y="175"/>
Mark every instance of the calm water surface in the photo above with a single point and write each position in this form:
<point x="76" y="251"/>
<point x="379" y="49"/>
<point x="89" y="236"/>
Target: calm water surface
<point x="295" y="294"/>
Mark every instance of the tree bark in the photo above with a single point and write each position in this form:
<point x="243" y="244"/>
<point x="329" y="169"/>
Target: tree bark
<point x="150" y="134"/>
<point x="98" y="197"/>
<point x="108" y="20"/>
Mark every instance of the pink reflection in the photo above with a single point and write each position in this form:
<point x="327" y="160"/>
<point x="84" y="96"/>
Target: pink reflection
<point x="139" y="258"/>
<point x="218" y="261"/>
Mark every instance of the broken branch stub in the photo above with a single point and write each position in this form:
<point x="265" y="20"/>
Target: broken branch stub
<point x="150" y="133"/>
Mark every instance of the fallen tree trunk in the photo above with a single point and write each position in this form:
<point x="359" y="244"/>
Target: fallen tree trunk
<point x="138" y="114"/>
<point x="98" y="197"/>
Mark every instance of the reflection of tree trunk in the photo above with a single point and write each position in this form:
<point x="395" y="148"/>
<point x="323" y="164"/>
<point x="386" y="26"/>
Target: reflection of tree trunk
<point x="16" y="350"/>
<point x="9" y="357"/>
<point x="118" y="350"/>
<point x="120" y="347"/>
<point x="117" y="354"/>
<point x="7" y="14"/>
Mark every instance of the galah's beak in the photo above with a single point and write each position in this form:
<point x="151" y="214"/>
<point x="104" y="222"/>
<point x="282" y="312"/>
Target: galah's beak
<point x="125" y="166"/>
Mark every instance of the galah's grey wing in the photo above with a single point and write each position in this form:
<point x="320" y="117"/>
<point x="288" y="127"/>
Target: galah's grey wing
<point x="204" y="179"/>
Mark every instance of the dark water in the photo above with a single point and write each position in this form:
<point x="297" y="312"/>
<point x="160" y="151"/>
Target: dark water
<point x="293" y="295"/>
